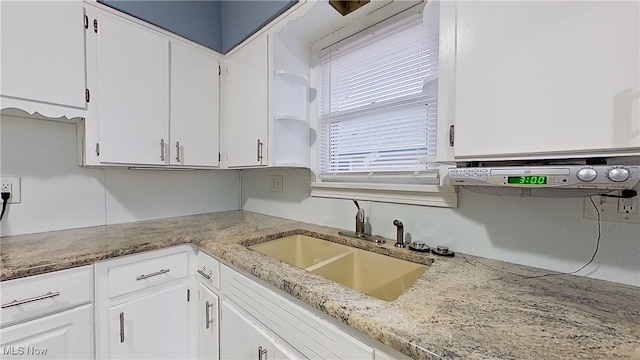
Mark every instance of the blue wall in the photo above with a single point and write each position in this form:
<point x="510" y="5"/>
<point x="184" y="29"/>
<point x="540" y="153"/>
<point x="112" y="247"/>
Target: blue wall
<point x="218" y="25"/>
<point x="199" y="21"/>
<point x="240" y="19"/>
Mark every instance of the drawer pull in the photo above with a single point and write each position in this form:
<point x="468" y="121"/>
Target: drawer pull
<point x="35" y="298"/>
<point x="143" y="276"/>
<point x="207" y="317"/>
<point x="201" y="272"/>
<point x="121" y="327"/>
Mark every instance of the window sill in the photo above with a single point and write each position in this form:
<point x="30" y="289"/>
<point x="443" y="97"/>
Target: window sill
<point x="425" y="195"/>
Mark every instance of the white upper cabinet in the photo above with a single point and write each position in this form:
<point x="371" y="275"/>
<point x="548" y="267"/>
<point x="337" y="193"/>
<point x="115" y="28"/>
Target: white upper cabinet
<point x="133" y="93"/>
<point x="267" y="103"/>
<point x="195" y="119"/>
<point x="246" y="105"/>
<point x="43" y="56"/>
<point x="546" y="79"/>
<point x="289" y="99"/>
<point x="154" y="97"/>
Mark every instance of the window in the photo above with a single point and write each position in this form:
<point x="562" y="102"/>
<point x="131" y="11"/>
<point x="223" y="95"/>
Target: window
<point x="378" y="114"/>
<point x="378" y="105"/>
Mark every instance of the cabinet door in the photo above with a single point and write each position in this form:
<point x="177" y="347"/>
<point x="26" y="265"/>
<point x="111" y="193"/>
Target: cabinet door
<point x="43" y="56"/>
<point x="154" y="326"/>
<point x="246" y="106"/>
<point x="65" y="335"/>
<point x="207" y="323"/>
<point x="133" y="93"/>
<point x="195" y="118"/>
<point x="283" y="351"/>
<point x="544" y="77"/>
<point x="241" y="338"/>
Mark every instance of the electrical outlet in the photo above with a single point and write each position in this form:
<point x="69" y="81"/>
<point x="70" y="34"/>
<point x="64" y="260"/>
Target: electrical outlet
<point x="613" y="209"/>
<point x="11" y="184"/>
<point x="628" y="206"/>
<point x="276" y="183"/>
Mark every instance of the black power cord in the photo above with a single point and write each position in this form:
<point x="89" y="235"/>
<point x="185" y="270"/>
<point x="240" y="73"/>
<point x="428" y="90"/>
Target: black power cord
<point x="5" y="199"/>
<point x="593" y="256"/>
<point x="624" y="194"/>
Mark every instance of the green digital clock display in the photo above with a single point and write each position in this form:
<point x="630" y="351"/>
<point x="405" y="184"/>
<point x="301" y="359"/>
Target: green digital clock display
<point x="527" y="180"/>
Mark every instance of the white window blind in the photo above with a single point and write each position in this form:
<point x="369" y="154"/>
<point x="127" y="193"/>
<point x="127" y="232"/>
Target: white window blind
<point x="378" y="108"/>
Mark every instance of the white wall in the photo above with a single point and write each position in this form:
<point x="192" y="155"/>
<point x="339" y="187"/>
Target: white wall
<point x="548" y="233"/>
<point x="58" y="194"/>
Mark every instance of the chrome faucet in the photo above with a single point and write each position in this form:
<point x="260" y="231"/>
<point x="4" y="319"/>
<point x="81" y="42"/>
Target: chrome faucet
<point x="400" y="233"/>
<point x="359" y="220"/>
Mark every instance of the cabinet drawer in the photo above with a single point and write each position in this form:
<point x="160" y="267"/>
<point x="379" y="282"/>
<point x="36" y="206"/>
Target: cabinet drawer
<point x="34" y="296"/>
<point x="142" y="274"/>
<point x="208" y="270"/>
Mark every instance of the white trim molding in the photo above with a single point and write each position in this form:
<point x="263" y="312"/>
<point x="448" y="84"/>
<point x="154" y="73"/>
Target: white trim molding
<point x="425" y="195"/>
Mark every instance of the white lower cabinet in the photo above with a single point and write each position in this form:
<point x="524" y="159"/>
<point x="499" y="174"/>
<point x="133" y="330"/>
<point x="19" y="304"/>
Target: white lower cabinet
<point x="242" y="338"/>
<point x="145" y="309"/>
<point x="151" y="327"/>
<point x="208" y="324"/>
<point x="254" y="317"/>
<point x="311" y="336"/>
<point x="48" y="316"/>
<point x="143" y="306"/>
<point x="208" y="313"/>
<point x="65" y="335"/>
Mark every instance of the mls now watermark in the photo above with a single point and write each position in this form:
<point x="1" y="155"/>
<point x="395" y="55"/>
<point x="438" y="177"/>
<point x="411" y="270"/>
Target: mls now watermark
<point x="24" y="350"/>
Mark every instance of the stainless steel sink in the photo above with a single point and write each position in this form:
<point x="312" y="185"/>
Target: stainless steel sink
<point x="380" y="276"/>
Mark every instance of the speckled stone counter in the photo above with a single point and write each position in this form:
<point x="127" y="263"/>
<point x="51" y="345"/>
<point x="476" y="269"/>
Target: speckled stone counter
<point x="456" y="310"/>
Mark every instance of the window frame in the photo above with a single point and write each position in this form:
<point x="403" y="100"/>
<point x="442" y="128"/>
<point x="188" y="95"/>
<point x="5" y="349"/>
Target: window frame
<point x="436" y="192"/>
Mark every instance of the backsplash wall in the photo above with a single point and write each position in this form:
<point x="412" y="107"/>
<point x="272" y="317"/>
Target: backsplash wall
<point x="58" y="194"/>
<point x="547" y="233"/>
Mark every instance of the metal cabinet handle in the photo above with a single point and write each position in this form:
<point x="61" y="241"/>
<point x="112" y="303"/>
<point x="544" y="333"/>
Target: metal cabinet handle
<point x="260" y="150"/>
<point x="161" y="149"/>
<point x="121" y="327"/>
<point x="207" y="317"/>
<point x="206" y="276"/>
<point x="178" y="151"/>
<point x="35" y="298"/>
<point x="143" y="276"/>
<point x="261" y="352"/>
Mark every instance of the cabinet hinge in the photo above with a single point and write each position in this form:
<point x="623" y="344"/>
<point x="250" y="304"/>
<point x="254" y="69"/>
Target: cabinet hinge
<point x="87" y="95"/>
<point x="188" y="295"/>
<point x="219" y="70"/>
<point x="451" y="135"/>
<point x="86" y="22"/>
<point x="97" y="149"/>
<point x="95" y="26"/>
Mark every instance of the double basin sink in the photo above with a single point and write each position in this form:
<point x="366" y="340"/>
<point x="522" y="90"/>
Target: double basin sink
<point x="380" y="276"/>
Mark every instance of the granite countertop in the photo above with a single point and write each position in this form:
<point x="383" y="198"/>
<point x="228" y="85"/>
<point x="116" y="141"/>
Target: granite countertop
<point x="455" y="310"/>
